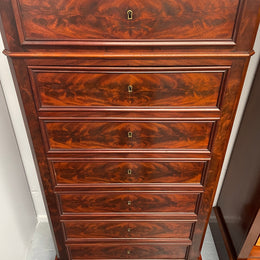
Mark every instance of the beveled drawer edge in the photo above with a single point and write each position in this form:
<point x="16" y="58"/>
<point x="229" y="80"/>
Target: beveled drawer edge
<point x="182" y="217"/>
<point x="144" y="186"/>
<point x="134" y="43"/>
<point x="128" y="240"/>
<point x="177" y="114"/>
<point x="128" y="151"/>
<point x="171" y="187"/>
<point x="132" y="55"/>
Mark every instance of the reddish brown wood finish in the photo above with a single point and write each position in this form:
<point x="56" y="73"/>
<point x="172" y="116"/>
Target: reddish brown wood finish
<point x="209" y="38"/>
<point x="255" y="253"/>
<point x="157" y="20"/>
<point x="61" y="87"/>
<point x="90" y="173"/>
<point x="86" y="230"/>
<point x="129" y="251"/>
<point x="109" y="202"/>
<point x="78" y="135"/>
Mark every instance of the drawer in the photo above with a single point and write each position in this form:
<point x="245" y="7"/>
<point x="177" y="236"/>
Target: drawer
<point x="128" y="251"/>
<point x="84" y="135"/>
<point x="109" y="202"/>
<point x="82" y="88"/>
<point x="80" y="230"/>
<point x="89" y="172"/>
<point x="96" y="22"/>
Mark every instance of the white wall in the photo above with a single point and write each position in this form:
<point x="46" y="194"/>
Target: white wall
<point x="21" y="135"/>
<point x="18" y="217"/>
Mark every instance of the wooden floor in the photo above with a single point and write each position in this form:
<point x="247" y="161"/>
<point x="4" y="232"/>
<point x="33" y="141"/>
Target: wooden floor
<point x="255" y="253"/>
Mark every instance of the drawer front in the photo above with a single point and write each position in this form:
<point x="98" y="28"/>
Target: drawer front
<point x="109" y="202"/>
<point x="81" y="230"/>
<point x="60" y="88"/>
<point x="83" y="135"/>
<point x="88" y="172"/>
<point x="123" y="20"/>
<point x="129" y="251"/>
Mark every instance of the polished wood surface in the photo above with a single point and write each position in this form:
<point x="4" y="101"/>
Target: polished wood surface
<point x="74" y="60"/>
<point x="80" y="135"/>
<point x="82" y="88"/>
<point x="109" y="202"/>
<point x="255" y="253"/>
<point x="82" y="172"/>
<point x="85" y="230"/>
<point x="129" y="251"/>
<point x="156" y="20"/>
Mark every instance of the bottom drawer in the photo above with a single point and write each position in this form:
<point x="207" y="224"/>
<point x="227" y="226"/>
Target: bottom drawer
<point x="128" y="251"/>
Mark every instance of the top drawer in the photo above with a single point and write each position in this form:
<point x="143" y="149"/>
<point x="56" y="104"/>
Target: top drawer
<point x="107" y="22"/>
<point x="123" y="87"/>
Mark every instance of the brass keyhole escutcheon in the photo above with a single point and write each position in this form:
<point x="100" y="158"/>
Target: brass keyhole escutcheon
<point x="130" y="134"/>
<point x="128" y="252"/>
<point x="129" y="230"/>
<point x="129" y="15"/>
<point x="129" y="203"/>
<point x="130" y="89"/>
<point x="129" y="171"/>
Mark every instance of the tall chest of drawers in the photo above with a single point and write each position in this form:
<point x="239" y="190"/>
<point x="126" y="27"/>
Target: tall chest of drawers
<point x="129" y="107"/>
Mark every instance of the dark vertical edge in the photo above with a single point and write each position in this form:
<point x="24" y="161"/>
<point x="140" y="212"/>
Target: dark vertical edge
<point x="221" y="236"/>
<point x="17" y="16"/>
<point x="27" y="106"/>
<point x="238" y="19"/>
<point x="230" y="101"/>
<point x="35" y="90"/>
<point x="8" y="27"/>
<point x="222" y="87"/>
<point x="248" y="24"/>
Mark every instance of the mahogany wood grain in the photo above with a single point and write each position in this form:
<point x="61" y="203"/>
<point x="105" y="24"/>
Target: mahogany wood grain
<point x="128" y="54"/>
<point x="83" y="88"/>
<point x="203" y="34"/>
<point x="246" y="23"/>
<point x="107" y="20"/>
<point x="85" y="230"/>
<point x="177" y="216"/>
<point x="130" y="251"/>
<point x="89" y="172"/>
<point x="84" y="203"/>
<point x="135" y="114"/>
<point x="82" y="135"/>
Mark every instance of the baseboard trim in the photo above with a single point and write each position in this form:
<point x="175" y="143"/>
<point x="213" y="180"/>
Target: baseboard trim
<point x="218" y="226"/>
<point x="42" y="218"/>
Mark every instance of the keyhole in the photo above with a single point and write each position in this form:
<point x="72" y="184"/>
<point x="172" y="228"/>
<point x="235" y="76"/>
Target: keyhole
<point x="129" y="14"/>
<point x="130" y="89"/>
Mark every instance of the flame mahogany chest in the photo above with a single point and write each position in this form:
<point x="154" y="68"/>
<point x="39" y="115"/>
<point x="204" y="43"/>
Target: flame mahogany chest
<point x="129" y="107"/>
